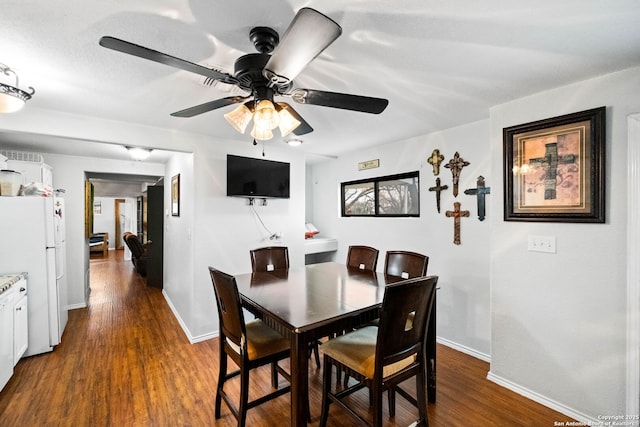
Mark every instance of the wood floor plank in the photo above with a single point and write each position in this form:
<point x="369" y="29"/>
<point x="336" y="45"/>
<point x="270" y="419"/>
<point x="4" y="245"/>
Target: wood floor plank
<point x="125" y="361"/>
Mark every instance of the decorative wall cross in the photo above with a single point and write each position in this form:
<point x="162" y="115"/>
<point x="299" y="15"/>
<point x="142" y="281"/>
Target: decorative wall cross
<point x="435" y="160"/>
<point x="456" y="164"/>
<point x="456" y="213"/>
<point x="438" y="188"/>
<point x="480" y="192"/>
<point x="551" y="160"/>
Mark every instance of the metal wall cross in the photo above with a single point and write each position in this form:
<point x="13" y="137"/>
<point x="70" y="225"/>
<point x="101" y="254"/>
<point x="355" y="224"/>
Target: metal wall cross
<point x="480" y="192"/>
<point x="438" y="188"/>
<point x="456" y="164"/>
<point x="551" y="160"/>
<point x="456" y="213"/>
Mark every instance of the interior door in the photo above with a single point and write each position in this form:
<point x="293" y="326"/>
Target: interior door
<point x="155" y="231"/>
<point x="120" y="222"/>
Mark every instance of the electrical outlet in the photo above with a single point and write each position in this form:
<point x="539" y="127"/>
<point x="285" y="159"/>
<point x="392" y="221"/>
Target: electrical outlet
<point x="542" y="244"/>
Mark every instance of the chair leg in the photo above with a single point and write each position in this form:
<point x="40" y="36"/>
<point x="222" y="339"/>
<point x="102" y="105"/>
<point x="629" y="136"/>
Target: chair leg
<point x="221" y="378"/>
<point x="244" y="396"/>
<point x="316" y="353"/>
<point x="376" y="394"/>
<point x="392" y="402"/>
<point x="421" y="397"/>
<point x="326" y="389"/>
<point x="274" y="375"/>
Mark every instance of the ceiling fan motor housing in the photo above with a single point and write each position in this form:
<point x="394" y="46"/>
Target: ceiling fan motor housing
<point x="264" y="39"/>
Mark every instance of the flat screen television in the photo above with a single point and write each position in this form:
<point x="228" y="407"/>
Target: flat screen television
<point x="249" y="177"/>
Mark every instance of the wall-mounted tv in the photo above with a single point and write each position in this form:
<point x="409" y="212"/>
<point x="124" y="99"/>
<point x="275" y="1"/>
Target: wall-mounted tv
<point x="249" y="177"/>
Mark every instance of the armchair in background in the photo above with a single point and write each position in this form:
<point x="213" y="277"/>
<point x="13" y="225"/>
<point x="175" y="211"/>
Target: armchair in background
<point x="139" y="252"/>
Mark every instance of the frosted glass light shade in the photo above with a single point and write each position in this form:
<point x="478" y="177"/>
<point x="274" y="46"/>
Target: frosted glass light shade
<point x="261" y="133"/>
<point x="139" y="153"/>
<point x="288" y="123"/>
<point x="9" y="103"/>
<point x="239" y="118"/>
<point x="266" y="116"/>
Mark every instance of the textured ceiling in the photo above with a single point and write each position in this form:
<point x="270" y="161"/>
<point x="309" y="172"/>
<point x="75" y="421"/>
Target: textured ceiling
<point x="439" y="63"/>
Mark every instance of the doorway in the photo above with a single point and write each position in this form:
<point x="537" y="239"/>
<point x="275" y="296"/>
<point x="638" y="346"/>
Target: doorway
<point x="119" y="220"/>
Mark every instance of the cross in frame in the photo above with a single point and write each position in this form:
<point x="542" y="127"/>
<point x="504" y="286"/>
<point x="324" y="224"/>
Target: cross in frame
<point x="456" y="164"/>
<point x="479" y="192"/>
<point x="438" y="188"/>
<point x="435" y="160"/>
<point x="551" y="160"/>
<point x="456" y="213"/>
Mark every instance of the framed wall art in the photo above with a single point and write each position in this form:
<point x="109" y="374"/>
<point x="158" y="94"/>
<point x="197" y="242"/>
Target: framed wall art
<point x="554" y="169"/>
<point x="175" y="195"/>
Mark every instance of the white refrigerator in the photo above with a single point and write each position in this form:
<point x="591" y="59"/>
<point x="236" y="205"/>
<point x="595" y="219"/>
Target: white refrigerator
<point x="32" y="240"/>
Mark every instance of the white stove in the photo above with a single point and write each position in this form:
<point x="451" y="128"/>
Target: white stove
<point x="7" y="280"/>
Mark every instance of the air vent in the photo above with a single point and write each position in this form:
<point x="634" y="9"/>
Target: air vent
<point x="22" y="156"/>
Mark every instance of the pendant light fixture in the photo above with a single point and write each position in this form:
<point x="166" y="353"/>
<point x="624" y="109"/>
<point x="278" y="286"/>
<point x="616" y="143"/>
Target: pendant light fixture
<point x="12" y="98"/>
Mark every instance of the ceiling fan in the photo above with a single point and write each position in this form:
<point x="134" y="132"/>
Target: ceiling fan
<point x="267" y="74"/>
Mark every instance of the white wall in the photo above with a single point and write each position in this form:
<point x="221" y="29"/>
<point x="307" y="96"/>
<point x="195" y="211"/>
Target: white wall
<point x="552" y="325"/>
<point x="463" y="316"/>
<point x="218" y="231"/>
<point x="559" y="320"/>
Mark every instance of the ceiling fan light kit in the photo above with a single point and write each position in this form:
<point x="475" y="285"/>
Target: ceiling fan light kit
<point x="267" y="74"/>
<point x="12" y="98"/>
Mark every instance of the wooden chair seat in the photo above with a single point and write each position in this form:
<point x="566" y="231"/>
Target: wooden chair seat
<point x="357" y="351"/>
<point x="262" y="341"/>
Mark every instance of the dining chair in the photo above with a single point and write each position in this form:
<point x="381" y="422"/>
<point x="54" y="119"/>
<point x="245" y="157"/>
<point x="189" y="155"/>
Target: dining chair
<point x="250" y="345"/>
<point x="405" y="264"/>
<point x="362" y="257"/>
<point x="269" y="258"/>
<point x="382" y="357"/>
<point x="275" y="258"/>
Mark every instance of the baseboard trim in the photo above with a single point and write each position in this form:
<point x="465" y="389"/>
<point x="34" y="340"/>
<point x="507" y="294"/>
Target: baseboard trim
<point x="76" y="306"/>
<point x="464" y="349"/>
<point x="582" y="418"/>
<point x="192" y="339"/>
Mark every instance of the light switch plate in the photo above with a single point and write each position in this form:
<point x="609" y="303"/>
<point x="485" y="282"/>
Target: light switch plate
<point x="545" y="244"/>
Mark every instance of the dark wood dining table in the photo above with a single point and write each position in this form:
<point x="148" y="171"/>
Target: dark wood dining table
<point x="315" y="301"/>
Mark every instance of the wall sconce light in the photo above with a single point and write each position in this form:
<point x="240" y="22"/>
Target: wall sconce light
<point x="139" y="153"/>
<point x="12" y="98"/>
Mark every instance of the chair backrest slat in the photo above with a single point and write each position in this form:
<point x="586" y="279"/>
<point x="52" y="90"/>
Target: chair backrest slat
<point x="269" y="258"/>
<point x="362" y="257"/>
<point x="406" y="307"/>
<point x="230" y="313"/>
<point x="405" y="264"/>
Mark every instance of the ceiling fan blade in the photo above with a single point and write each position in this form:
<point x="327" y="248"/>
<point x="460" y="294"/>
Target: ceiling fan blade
<point x="304" y="127"/>
<point x="365" y="104"/>
<point x="208" y="106"/>
<point x="308" y="35"/>
<point x="163" y="58"/>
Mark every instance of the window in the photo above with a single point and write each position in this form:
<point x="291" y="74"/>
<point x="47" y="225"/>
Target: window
<point x="394" y="195"/>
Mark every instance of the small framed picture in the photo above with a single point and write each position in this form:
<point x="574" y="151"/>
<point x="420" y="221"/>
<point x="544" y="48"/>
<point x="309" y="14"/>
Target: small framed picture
<point x="175" y="195"/>
<point x="554" y="169"/>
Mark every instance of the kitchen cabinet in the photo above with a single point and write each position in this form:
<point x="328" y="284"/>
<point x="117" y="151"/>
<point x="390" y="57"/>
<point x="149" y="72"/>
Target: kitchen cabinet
<point x="20" y="328"/>
<point x="6" y="340"/>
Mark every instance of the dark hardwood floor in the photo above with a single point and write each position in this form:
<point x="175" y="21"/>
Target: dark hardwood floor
<point x="125" y="361"/>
